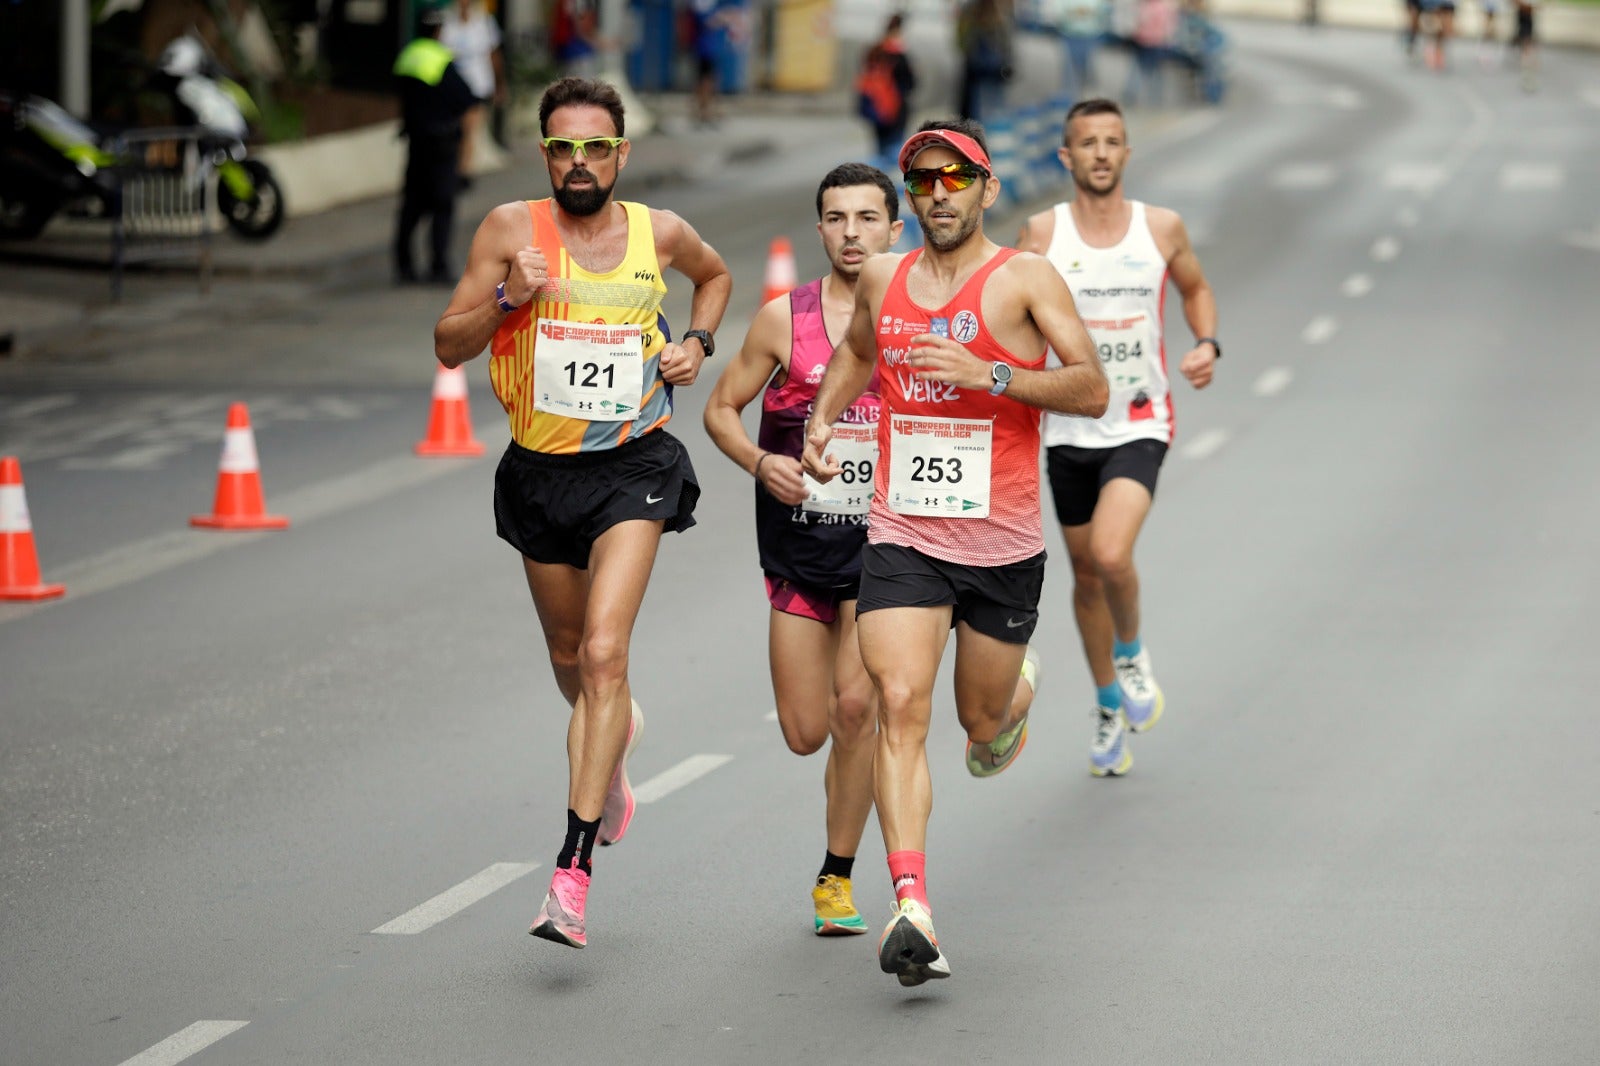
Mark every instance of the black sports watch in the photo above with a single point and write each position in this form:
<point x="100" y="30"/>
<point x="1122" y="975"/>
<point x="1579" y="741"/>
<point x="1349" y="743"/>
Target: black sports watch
<point x="1211" y="341"/>
<point x="704" y="337"/>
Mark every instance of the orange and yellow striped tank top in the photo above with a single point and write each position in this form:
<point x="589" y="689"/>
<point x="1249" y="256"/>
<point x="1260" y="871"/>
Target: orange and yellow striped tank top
<point x="628" y="295"/>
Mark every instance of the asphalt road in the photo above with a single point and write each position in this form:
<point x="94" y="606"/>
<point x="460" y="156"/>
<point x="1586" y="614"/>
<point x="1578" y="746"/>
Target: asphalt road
<point x="1364" y="832"/>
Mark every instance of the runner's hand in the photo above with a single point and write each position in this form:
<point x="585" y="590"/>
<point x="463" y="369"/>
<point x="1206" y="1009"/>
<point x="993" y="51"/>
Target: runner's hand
<point x="817" y="462"/>
<point x="528" y="274"/>
<point x="935" y="358"/>
<point x="678" y="367"/>
<point x="784" y="478"/>
<point x="1198" y="364"/>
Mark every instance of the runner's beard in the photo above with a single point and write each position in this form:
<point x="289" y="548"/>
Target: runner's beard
<point x="949" y="242"/>
<point x="583" y="202"/>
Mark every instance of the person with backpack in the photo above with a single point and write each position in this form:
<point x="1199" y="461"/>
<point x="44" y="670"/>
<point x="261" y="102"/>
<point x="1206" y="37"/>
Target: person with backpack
<point x="884" y="87"/>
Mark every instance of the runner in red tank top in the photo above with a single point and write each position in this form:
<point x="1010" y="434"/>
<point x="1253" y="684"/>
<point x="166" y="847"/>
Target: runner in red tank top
<point x="810" y="539"/>
<point x="957" y="333"/>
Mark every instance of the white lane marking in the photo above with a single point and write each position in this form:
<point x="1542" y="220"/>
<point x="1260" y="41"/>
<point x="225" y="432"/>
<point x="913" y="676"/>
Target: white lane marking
<point x="153" y="555"/>
<point x="1320" y="329"/>
<point x="454" y="900"/>
<point x="1591" y="95"/>
<point x="1407" y="217"/>
<point x="143" y="457"/>
<point x="1273" y="381"/>
<point x="1385" y="250"/>
<point x="1206" y="444"/>
<point x="184" y="1042"/>
<point x="1356" y="285"/>
<point x="1345" y="98"/>
<point x="1304" y="176"/>
<point x="674" y="778"/>
<point x="1589" y="239"/>
<point x="39" y="405"/>
<point x="772" y="715"/>
<point x="1417" y="177"/>
<point x="1532" y="177"/>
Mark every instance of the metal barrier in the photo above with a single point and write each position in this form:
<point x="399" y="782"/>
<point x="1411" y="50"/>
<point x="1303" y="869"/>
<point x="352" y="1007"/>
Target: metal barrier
<point x="165" y="201"/>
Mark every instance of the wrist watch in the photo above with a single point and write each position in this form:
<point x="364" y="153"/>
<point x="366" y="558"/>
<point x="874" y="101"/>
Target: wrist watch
<point x="500" y="298"/>
<point x="1001" y="373"/>
<point x="1211" y="341"/>
<point x="704" y="337"/>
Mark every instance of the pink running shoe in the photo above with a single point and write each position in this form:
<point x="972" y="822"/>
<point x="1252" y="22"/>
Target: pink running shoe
<point x="561" y="917"/>
<point x="618" y="811"/>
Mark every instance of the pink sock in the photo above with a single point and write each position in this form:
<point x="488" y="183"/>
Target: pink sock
<point x="908" y="871"/>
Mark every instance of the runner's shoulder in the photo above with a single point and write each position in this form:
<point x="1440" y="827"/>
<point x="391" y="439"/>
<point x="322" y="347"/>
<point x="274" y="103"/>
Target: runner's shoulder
<point x="1037" y="231"/>
<point x="1166" y="226"/>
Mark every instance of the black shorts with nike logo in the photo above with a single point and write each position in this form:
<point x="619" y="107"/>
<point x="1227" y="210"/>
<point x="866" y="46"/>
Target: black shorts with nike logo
<point x="998" y="601"/>
<point x="552" y="508"/>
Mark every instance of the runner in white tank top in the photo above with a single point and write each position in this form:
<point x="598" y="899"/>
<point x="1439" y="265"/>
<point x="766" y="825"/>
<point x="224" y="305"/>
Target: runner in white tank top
<point x="1116" y="255"/>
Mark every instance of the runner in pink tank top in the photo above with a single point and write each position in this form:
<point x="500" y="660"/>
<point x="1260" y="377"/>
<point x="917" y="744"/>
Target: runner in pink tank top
<point x="957" y="333"/>
<point x="809" y="536"/>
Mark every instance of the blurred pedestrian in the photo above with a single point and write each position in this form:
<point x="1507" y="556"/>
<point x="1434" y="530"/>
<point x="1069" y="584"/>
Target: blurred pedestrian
<point x="957" y="332"/>
<point x="809" y="537"/>
<point x="1527" y="42"/>
<point x="1117" y="255"/>
<point x="1154" y="37"/>
<point x="1439" y="17"/>
<point x="884" y="87"/>
<point x="433" y="97"/>
<point x="718" y="29"/>
<point x="1488" y="44"/>
<point x="473" y="37"/>
<point x="984" y="34"/>
<point x="1083" y="25"/>
<point x="567" y="294"/>
<point x="575" y="37"/>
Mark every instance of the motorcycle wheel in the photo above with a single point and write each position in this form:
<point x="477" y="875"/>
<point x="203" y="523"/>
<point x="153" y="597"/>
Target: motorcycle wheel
<point x="260" y="216"/>
<point x="23" y="219"/>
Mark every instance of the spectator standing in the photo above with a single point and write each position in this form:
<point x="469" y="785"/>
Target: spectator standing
<point x="984" y="33"/>
<point x="1527" y="43"/>
<point x="473" y="37"/>
<point x="885" y="85"/>
<point x="433" y="97"/>
<point x="575" y="38"/>
<point x="1154" y="35"/>
<point x="1083" y="25"/>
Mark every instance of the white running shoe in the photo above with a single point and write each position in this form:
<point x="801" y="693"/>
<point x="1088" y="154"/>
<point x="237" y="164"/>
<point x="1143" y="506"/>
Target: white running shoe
<point x="1142" y="701"/>
<point x="1109" y="755"/>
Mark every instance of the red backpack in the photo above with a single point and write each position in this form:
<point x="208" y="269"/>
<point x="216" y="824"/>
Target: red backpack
<point x="878" y="98"/>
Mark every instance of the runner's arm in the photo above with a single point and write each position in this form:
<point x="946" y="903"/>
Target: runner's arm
<point x="680" y="247"/>
<point x="765" y="351"/>
<point x="470" y="319"/>
<point x="1199" y="302"/>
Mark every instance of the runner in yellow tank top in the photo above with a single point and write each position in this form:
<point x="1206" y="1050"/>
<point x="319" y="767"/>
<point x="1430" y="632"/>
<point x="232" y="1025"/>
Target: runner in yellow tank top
<point x="569" y="290"/>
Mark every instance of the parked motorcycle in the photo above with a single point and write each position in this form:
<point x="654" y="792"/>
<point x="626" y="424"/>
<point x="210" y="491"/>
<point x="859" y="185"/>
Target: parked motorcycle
<point x="51" y="161"/>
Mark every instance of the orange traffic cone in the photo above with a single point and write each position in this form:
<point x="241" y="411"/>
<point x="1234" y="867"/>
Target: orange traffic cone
<point x="782" y="276"/>
<point x="19" y="562"/>
<point x="450" y="423"/>
<point x="239" y="501"/>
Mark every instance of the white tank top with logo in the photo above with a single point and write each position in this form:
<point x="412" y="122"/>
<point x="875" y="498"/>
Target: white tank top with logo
<point x="1119" y="292"/>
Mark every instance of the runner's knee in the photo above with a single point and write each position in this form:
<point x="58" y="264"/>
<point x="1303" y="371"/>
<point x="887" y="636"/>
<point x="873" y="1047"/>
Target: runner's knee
<point x="603" y="659"/>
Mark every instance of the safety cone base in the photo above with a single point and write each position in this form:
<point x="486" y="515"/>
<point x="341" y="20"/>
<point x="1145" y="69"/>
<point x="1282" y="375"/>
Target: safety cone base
<point x="33" y="592"/>
<point x="241" y="522"/>
<point x="449" y="449"/>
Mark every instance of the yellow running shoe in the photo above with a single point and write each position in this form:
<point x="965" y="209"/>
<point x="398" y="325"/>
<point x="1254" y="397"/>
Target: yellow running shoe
<point x="836" y="912"/>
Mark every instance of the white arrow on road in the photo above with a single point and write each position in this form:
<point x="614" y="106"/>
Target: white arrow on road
<point x="1589" y="239"/>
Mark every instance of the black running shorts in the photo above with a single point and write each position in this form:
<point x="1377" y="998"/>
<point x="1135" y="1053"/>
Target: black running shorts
<point x="998" y="601"/>
<point x="1078" y="474"/>
<point x="552" y="508"/>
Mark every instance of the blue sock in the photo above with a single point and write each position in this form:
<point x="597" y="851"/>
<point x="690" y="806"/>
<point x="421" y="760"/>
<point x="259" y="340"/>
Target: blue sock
<point x="1110" y="696"/>
<point x="1128" y="650"/>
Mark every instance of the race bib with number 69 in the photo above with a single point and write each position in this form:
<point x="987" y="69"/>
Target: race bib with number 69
<point x="855" y="446"/>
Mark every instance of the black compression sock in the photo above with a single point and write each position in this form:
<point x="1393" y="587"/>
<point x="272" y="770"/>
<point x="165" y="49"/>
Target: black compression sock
<point x="837" y="865"/>
<point x="580" y="842"/>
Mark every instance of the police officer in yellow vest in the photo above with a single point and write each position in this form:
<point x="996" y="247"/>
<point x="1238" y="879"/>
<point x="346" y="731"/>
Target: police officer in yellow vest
<point x="433" y="97"/>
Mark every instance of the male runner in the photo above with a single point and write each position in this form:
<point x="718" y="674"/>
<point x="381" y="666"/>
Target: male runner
<point x="1116" y="255"/>
<point x="957" y="331"/>
<point x="809" y="535"/>
<point x="569" y="290"/>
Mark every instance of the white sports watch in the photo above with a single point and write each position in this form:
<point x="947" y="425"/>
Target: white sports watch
<point x="1001" y="372"/>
